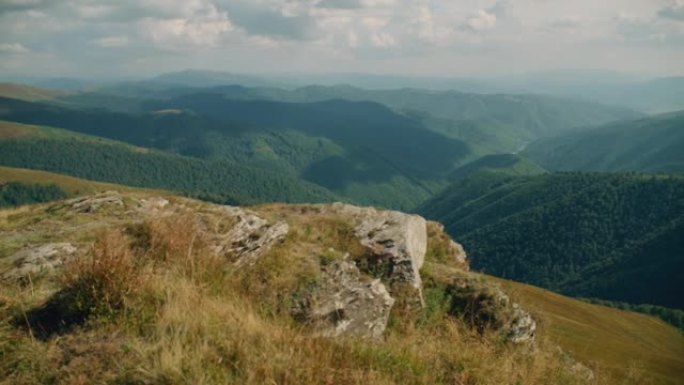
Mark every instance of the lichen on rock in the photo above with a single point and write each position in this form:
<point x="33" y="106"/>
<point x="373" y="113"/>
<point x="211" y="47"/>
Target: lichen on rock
<point x="39" y="259"/>
<point x="346" y="302"/>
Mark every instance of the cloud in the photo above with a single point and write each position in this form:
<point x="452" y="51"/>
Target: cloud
<point x="20" y="5"/>
<point x="112" y="41"/>
<point x="481" y="21"/>
<point x="13" y="48"/>
<point x="277" y="20"/>
<point x="500" y="9"/>
<point x="342" y="35"/>
<point x="383" y="40"/>
<point x="675" y="11"/>
<point x="340" y="4"/>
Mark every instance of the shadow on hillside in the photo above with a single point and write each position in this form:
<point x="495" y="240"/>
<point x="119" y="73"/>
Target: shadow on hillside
<point x="57" y="316"/>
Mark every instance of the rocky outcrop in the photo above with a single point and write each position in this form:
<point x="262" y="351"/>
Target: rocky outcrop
<point x="39" y="260"/>
<point x="353" y="295"/>
<point x="393" y="238"/>
<point x="459" y="255"/>
<point x="91" y="204"/>
<point x="346" y="302"/>
<point x="444" y="249"/>
<point x="486" y="307"/>
<point x="250" y="237"/>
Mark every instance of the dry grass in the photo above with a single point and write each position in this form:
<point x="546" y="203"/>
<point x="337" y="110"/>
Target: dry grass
<point x="168" y="312"/>
<point x="637" y="347"/>
<point x="69" y="184"/>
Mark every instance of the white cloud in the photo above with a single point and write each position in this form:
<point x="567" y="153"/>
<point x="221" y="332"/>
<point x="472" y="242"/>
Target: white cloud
<point x="383" y="40"/>
<point x="483" y="20"/>
<point x="203" y="26"/>
<point x="112" y="41"/>
<point x="468" y="36"/>
<point x="13" y="48"/>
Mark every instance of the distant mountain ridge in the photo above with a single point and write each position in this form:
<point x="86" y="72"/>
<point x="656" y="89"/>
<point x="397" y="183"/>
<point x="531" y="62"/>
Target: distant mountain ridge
<point x="653" y="144"/>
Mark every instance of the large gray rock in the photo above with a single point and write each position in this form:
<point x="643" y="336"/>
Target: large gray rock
<point x="249" y="238"/>
<point x="392" y="237"/>
<point x="39" y="260"/>
<point x="346" y="303"/>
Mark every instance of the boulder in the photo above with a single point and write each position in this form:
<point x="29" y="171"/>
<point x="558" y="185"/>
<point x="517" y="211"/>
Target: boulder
<point x="39" y="259"/>
<point x="153" y="206"/>
<point x="250" y="237"/>
<point x="393" y="238"/>
<point x="91" y="204"/>
<point x="346" y="303"/>
<point x="486" y="307"/>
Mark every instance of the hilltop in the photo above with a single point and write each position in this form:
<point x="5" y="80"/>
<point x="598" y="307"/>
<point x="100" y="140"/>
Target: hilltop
<point x="143" y="287"/>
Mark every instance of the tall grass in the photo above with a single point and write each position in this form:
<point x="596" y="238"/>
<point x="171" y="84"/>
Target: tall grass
<point x="162" y="309"/>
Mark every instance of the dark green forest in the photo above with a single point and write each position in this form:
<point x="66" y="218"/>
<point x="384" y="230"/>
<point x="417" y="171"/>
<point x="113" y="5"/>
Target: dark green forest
<point x="611" y="236"/>
<point x="17" y="194"/>
<point x="674" y="317"/>
<point x="221" y="181"/>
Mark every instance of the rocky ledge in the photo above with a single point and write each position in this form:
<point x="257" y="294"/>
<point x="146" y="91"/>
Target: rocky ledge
<point x="353" y="294"/>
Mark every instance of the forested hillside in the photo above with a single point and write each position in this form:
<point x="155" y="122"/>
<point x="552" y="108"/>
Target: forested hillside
<point x="221" y="181"/>
<point x="653" y="144"/>
<point x="493" y="122"/>
<point x="16" y="193"/>
<point x="610" y="236"/>
<point x="362" y="151"/>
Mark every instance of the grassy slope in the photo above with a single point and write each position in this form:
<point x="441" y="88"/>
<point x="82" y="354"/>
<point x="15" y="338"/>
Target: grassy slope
<point x="13" y="130"/>
<point x="70" y="185"/>
<point x="27" y="93"/>
<point x="226" y="336"/>
<point x="508" y="164"/>
<point x="612" y="338"/>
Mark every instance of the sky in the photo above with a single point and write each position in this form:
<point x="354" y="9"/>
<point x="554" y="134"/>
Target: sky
<point x="454" y="38"/>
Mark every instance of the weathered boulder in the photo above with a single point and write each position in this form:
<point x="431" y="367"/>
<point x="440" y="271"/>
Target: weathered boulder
<point x="39" y="259"/>
<point x="486" y="307"/>
<point x="393" y="238"/>
<point x="153" y="206"/>
<point x="346" y="303"/>
<point x="91" y="204"/>
<point x="249" y="238"/>
<point x="521" y="327"/>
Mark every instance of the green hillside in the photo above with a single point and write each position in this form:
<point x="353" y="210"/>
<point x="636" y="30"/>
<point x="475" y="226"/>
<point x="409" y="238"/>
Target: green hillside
<point x="492" y="123"/>
<point x="610" y="236"/>
<point x="64" y="152"/>
<point x="654" y="144"/>
<point x="28" y="93"/>
<point x="359" y="150"/>
<point x="508" y="164"/>
<point x="70" y="185"/>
